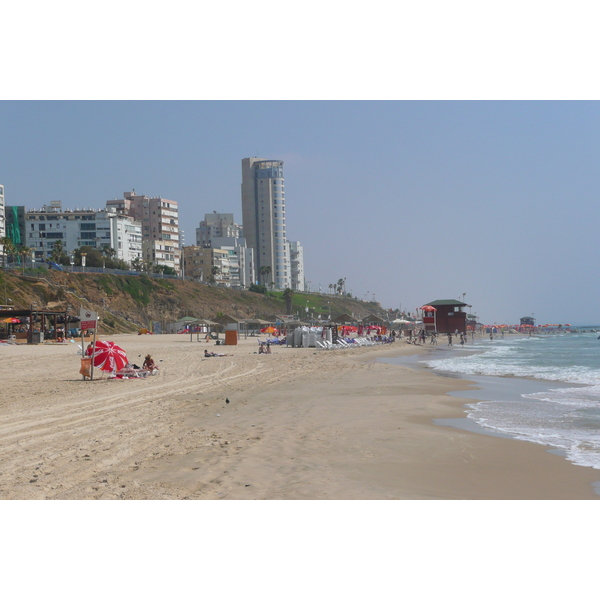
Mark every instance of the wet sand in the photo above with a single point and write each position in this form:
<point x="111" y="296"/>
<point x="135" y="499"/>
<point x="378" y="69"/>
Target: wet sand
<point x="301" y="424"/>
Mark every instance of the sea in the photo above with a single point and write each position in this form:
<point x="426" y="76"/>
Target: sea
<point x="543" y="389"/>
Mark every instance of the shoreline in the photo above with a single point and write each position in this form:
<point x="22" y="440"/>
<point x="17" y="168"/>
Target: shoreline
<point x="496" y="388"/>
<point x="301" y="424"/>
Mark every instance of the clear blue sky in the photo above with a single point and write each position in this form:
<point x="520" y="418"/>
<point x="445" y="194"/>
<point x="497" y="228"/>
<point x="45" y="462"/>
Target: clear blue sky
<point x="410" y="200"/>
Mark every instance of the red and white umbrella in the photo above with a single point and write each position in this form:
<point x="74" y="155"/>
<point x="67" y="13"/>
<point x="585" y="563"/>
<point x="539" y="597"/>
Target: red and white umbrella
<point x="108" y="356"/>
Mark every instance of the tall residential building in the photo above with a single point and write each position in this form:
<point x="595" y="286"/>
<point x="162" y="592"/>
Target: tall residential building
<point x="216" y="225"/>
<point x="263" y="214"/>
<point x="297" y="266"/>
<point x="160" y="226"/>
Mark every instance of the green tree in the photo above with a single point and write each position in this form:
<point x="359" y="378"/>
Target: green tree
<point x="25" y="254"/>
<point x="137" y="264"/>
<point x="259" y="289"/>
<point x="288" y="295"/>
<point x="93" y="256"/>
<point x="9" y="249"/>
<point x="58" y="254"/>
<point x="163" y="269"/>
<point x="117" y="263"/>
<point x="214" y="271"/>
<point x="108" y="252"/>
<point x="264" y="271"/>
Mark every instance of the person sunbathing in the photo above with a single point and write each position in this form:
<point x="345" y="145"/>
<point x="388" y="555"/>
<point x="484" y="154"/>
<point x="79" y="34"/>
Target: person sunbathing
<point x="149" y="364"/>
<point x="208" y="354"/>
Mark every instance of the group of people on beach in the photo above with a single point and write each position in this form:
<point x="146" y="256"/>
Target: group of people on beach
<point x="149" y="367"/>
<point x="420" y="337"/>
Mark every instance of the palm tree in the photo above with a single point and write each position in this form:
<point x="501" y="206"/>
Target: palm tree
<point x="8" y="249"/>
<point x="108" y="253"/>
<point x="24" y="252"/>
<point x="58" y="252"/>
<point x="288" y="295"/>
<point x="264" y="271"/>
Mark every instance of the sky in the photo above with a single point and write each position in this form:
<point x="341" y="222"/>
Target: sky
<point x="410" y="201"/>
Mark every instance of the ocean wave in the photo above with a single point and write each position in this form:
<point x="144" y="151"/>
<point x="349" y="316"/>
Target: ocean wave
<point x="565" y="417"/>
<point x="579" y="397"/>
<point x="581" y="447"/>
<point x="482" y="365"/>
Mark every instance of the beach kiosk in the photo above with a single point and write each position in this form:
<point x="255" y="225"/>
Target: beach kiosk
<point x="34" y="326"/>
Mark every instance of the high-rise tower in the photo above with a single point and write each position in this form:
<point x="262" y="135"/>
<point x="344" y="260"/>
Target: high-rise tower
<point x="263" y="214"/>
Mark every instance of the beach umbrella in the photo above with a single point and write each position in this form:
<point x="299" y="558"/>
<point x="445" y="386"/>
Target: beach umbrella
<point x="269" y="329"/>
<point x="108" y="356"/>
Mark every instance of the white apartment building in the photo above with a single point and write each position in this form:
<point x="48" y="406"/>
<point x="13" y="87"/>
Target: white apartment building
<point x="81" y="227"/>
<point x="297" y="265"/>
<point x="160" y="226"/>
<point x="263" y="214"/>
<point x="241" y="260"/>
<point x="126" y="237"/>
<point x="217" y="225"/>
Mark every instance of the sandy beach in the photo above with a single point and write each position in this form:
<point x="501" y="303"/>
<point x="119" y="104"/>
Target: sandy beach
<point x="300" y="424"/>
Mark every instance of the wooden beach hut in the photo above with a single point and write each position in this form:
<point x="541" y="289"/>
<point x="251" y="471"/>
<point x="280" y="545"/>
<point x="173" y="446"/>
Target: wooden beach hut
<point x="448" y="316"/>
<point x="373" y="320"/>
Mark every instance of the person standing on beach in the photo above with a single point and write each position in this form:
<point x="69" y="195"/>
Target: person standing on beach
<point x="449" y="339"/>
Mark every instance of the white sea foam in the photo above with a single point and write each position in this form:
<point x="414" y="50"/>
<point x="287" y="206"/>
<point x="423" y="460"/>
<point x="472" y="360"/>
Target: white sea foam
<point x="567" y="418"/>
<point x="495" y="364"/>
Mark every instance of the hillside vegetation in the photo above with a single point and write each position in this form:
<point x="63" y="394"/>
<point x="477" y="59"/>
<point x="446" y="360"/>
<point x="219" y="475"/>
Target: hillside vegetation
<point x="127" y="303"/>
